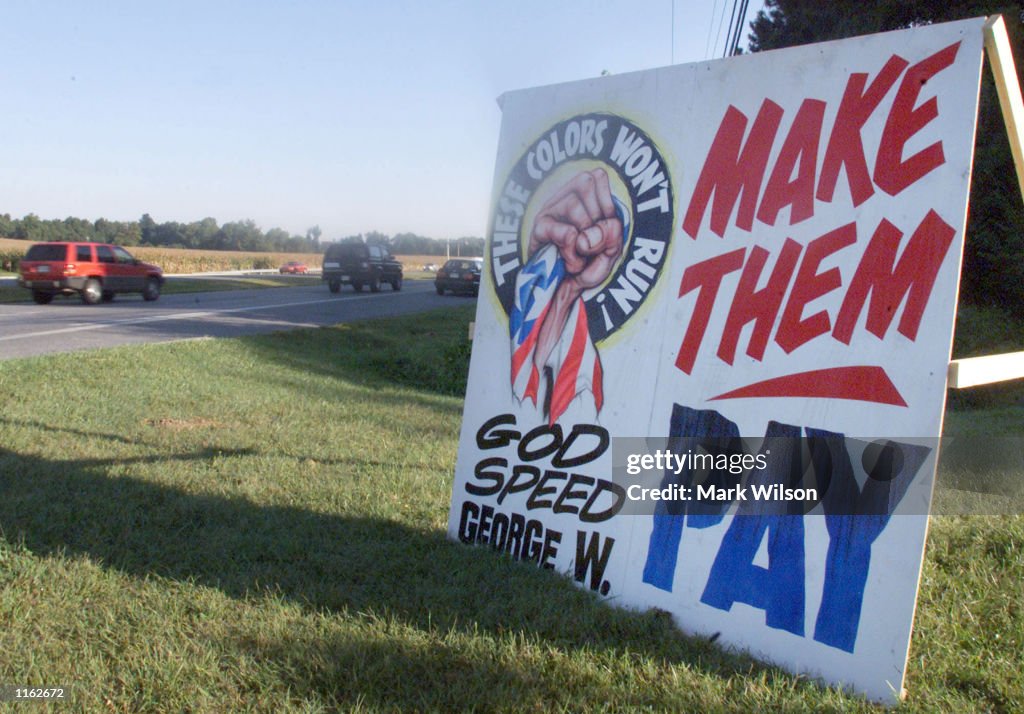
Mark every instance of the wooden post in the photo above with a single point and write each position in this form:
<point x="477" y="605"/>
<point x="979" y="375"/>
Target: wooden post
<point x="1004" y="367"/>
<point x="997" y="49"/>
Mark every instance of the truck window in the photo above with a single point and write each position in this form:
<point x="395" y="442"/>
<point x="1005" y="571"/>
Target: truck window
<point x="104" y="254"/>
<point x="47" y="251"/>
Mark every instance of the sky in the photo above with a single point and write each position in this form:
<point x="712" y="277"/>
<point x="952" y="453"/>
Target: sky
<point x="353" y="116"/>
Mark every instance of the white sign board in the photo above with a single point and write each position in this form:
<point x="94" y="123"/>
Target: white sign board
<point x="756" y="261"/>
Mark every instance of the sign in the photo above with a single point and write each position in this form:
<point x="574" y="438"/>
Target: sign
<point x="712" y="339"/>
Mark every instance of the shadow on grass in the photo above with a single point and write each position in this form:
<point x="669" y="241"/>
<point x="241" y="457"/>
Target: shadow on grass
<point x="406" y="674"/>
<point x="382" y="570"/>
<point x="37" y="424"/>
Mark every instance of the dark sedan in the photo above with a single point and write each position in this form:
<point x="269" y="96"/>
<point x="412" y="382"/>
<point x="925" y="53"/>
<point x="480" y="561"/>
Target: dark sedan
<point x="460" y="276"/>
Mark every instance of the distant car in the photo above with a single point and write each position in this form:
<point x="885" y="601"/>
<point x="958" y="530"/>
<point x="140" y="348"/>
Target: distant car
<point x="294" y="267"/>
<point x="359" y="265"/>
<point x="96" y="271"/>
<point x="461" y="276"/>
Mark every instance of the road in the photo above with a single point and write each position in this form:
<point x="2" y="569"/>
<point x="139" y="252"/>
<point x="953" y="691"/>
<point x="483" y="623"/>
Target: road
<point x="68" y="324"/>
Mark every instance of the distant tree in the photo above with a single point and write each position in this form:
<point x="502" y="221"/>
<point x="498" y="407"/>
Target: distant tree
<point x="278" y="239"/>
<point x="147" y="229"/>
<point x="412" y="244"/>
<point x="296" y="244"/>
<point x="29" y="228"/>
<point x="104" y="230"/>
<point x="201" y="234"/>
<point x="206" y="234"/>
<point x="127" y="233"/>
<point x="117" y="232"/>
<point x="469" y="246"/>
<point x="72" y="228"/>
<point x="785" y="23"/>
<point x="377" y="238"/>
<point x="313" y="236"/>
<point x="170" y="234"/>
<point x="241" y="235"/>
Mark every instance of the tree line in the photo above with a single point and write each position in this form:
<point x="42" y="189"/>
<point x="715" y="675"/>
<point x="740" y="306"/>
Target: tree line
<point x="412" y="244"/>
<point x="207" y="234"/>
<point x="993" y="269"/>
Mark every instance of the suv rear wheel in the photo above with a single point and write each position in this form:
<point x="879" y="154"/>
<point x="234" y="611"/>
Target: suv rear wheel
<point x="396" y="284"/>
<point x="152" y="290"/>
<point x="334" y="286"/>
<point x="92" y="292"/>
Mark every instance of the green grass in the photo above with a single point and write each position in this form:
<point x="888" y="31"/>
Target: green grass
<point x="198" y="285"/>
<point x="984" y="330"/>
<point x="258" y="524"/>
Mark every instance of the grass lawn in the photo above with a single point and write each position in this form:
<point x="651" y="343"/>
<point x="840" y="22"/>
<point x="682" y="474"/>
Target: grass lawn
<point x="212" y="284"/>
<point x="258" y="524"/>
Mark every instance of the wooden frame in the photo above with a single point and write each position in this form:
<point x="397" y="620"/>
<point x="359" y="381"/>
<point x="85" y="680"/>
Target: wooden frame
<point x="1003" y="367"/>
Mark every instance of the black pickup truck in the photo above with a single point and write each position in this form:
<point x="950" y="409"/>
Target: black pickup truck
<point x="359" y="264"/>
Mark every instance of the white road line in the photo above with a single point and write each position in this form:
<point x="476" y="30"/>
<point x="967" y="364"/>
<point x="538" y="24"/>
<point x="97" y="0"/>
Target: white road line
<point x="176" y="316"/>
<point x="17" y="313"/>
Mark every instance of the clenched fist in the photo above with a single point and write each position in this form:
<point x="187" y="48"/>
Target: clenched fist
<point x="580" y="220"/>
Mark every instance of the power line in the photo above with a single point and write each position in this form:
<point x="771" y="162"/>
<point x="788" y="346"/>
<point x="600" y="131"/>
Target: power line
<point x="739" y="26"/>
<point x="718" y="32"/>
<point x="728" y="35"/>
<point x="711" y="25"/>
<point x="736" y="21"/>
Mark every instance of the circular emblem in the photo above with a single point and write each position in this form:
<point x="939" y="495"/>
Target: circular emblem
<point x="589" y="203"/>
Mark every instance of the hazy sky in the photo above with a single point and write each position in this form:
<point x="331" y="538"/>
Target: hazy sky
<point x="354" y="116"/>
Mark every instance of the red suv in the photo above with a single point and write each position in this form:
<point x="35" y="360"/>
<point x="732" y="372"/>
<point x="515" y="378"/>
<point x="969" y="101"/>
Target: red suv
<point x="96" y="271"/>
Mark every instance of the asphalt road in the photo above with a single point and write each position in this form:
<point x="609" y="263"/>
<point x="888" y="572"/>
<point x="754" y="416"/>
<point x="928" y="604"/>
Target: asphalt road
<point x="68" y="324"/>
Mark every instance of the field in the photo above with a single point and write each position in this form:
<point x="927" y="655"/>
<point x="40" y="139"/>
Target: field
<point x="258" y="524"/>
<point x="175" y="260"/>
